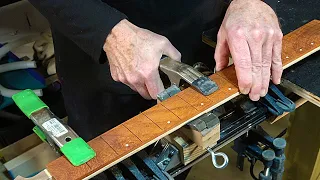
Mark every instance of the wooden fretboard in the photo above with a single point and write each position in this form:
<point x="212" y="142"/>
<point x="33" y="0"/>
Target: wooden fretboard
<point x="153" y="124"/>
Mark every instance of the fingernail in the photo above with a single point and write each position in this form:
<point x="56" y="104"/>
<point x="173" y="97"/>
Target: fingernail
<point x="245" y="90"/>
<point x="254" y="97"/>
<point x="263" y="92"/>
<point x="277" y="81"/>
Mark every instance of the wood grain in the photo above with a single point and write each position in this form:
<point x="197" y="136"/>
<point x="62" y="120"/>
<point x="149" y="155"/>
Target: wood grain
<point x="180" y="108"/>
<point x="190" y="150"/>
<point x="225" y="89"/>
<point x="61" y="168"/>
<point x="229" y="74"/>
<point x="300" y="43"/>
<point x="162" y="117"/>
<point x="104" y="153"/>
<point x="143" y="127"/>
<point x="196" y="99"/>
<point x="128" y="138"/>
<point x="121" y="139"/>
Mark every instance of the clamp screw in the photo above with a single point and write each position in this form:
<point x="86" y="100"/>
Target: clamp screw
<point x="279" y="143"/>
<point x="268" y="155"/>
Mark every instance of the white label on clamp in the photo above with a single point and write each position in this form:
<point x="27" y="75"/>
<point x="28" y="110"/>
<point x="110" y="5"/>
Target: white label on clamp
<point x="55" y="127"/>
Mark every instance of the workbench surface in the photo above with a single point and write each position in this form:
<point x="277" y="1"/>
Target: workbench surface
<point x="293" y="14"/>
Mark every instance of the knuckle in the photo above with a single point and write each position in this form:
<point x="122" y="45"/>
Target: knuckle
<point x="256" y="68"/>
<point x="277" y="63"/>
<point x="237" y="32"/>
<point x="147" y="74"/>
<point x="257" y="34"/>
<point x="133" y="80"/>
<point x="278" y="35"/>
<point x="114" y="77"/>
<point x="271" y="32"/>
<point x="164" y="41"/>
<point x="266" y="59"/>
<point x="122" y="79"/>
<point x="244" y="64"/>
<point x="277" y="67"/>
<point x="179" y="55"/>
<point x="219" y="35"/>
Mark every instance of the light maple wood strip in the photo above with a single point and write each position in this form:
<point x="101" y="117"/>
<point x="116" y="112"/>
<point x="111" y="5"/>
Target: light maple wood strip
<point x="143" y="128"/>
<point x="196" y="99"/>
<point x="121" y="139"/>
<point x="161" y="116"/>
<point x="298" y="103"/>
<point x="61" y="168"/>
<point x="104" y="153"/>
<point x="300" y="43"/>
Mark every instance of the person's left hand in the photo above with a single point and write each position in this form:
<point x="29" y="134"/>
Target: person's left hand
<point x="250" y="32"/>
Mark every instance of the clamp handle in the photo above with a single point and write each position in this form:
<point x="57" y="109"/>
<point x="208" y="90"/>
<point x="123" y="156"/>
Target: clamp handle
<point x="276" y="102"/>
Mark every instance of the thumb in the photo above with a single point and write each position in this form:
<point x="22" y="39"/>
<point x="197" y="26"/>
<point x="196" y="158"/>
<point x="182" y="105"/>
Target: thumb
<point x="222" y="52"/>
<point x="171" y="51"/>
<point x="154" y="84"/>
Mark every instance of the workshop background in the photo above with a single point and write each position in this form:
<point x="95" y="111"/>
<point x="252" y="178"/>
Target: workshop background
<point x="28" y="34"/>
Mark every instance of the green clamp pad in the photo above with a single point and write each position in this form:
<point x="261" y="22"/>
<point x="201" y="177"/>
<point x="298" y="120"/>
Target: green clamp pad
<point x="28" y="102"/>
<point x="77" y="151"/>
<point x="40" y="133"/>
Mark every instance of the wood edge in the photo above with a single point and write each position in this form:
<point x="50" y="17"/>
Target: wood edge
<point x="298" y="103"/>
<point x="301" y="92"/>
<point x="159" y="137"/>
<point x="300" y="58"/>
<point x="45" y="175"/>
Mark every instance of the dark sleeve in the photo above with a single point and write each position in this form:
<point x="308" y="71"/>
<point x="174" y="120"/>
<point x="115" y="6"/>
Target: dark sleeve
<point x="86" y="22"/>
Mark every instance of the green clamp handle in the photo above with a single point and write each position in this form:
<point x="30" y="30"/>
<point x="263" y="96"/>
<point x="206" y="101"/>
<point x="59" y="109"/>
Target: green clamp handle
<point x="28" y="102"/>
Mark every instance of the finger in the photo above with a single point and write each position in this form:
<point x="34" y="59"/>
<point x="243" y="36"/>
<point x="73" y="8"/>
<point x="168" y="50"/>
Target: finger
<point x="242" y="60"/>
<point x="276" y="66"/>
<point x="255" y="45"/>
<point x="154" y="84"/>
<point x="222" y="52"/>
<point x="113" y="72"/>
<point x="266" y="63"/>
<point x="123" y="78"/>
<point x="131" y="86"/>
<point x="142" y="90"/>
<point x="169" y="50"/>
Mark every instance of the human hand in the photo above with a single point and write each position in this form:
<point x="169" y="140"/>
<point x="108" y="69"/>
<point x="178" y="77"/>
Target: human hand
<point x="134" y="56"/>
<point x="250" y="32"/>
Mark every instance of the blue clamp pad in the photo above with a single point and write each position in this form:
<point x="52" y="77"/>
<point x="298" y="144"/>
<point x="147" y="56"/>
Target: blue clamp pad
<point x="169" y="92"/>
<point x="276" y="102"/>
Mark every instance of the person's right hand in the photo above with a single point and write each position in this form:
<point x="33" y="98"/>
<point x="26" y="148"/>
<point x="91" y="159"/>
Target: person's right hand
<point x="134" y="54"/>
